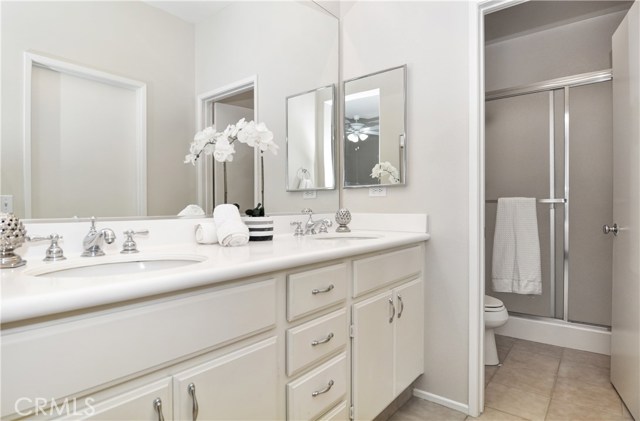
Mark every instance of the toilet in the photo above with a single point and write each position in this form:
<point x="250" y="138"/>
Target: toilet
<point x="495" y="315"/>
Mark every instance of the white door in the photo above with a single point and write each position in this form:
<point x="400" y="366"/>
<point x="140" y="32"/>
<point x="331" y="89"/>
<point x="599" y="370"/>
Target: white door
<point x="372" y="355"/>
<point x="409" y="334"/>
<point x="240" y="172"/>
<point x="242" y="385"/>
<point x="625" y="329"/>
<point x="143" y="403"/>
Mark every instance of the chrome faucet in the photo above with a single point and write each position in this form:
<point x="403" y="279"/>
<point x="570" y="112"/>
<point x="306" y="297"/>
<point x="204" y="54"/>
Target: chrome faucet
<point x="93" y="241"/>
<point x="310" y="226"/>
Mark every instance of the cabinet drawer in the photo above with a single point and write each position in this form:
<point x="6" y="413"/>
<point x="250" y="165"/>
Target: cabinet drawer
<point x="95" y="350"/>
<point x="376" y="271"/>
<point x="315" y="289"/>
<point x="301" y="402"/>
<point x="316" y="339"/>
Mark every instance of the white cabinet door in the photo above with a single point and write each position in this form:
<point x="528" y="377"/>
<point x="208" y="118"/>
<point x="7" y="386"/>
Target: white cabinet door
<point x="372" y="355"/>
<point x="137" y="404"/>
<point x="409" y="334"/>
<point x="241" y="385"/>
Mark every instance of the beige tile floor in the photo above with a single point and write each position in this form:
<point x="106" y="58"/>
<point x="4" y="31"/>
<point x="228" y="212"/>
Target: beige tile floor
<point x="536" y="382"/>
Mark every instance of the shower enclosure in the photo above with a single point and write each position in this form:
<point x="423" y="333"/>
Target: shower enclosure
<point x="553" y="141"/>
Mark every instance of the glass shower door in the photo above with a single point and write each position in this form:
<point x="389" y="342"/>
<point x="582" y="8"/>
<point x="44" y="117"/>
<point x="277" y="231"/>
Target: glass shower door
<point x="524" y="155"/>
<point x="590" y="203"/>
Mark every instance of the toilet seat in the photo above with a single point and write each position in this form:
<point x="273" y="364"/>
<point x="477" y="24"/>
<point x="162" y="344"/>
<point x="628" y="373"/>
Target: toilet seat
<point x="492" y="304"/>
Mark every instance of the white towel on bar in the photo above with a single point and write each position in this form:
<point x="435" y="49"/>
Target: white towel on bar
<point x="516" y="247"/>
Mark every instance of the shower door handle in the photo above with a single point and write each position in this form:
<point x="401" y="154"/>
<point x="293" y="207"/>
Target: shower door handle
<point x="607" y="229"/>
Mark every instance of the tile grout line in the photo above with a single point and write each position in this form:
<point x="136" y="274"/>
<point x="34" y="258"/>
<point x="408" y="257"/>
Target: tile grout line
<point x="555" y="382"/>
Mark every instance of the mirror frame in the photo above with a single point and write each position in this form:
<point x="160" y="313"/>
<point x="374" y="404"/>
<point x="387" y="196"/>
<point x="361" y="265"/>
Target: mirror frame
<point x="403" y="141"/>
<point x="333" y="138"/>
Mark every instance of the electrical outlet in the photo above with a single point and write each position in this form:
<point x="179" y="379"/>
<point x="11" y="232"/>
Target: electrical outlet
<point x="311" y="194"/>
<point x="6" y="203"/>
<point x="377" y="191"/>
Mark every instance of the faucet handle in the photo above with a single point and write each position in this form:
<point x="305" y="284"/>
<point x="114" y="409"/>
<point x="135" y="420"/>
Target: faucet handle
<point x="54" y="252"/>
<point x="129" y="246"/>
<point x="307" y="211"/>
<point x="298" y="232"/>
<point x="324" y="225"/>
<point x="93" y="222"/>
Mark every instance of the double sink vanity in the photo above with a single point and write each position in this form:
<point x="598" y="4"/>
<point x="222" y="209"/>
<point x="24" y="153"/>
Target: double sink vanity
<point x="326" y="326"/>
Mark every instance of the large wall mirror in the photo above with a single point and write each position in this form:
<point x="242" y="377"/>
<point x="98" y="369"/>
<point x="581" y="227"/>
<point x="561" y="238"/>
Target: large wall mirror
<point x="286" y="47"/>
<point x="375" y="129"/>
<point x="311" y="140"/>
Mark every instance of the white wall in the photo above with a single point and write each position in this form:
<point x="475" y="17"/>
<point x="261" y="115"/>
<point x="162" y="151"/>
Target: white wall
<point x="292" y="47"/>
<point x="432" y="39"/>
<point x="129" y="39"/>
<point x="579" y="47"/>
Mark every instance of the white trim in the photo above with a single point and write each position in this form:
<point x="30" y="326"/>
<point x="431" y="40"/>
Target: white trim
<point x="458" y="406"/>
<point x="477" y="11"/>
<point x="476" y="215"/>
<point x="559" y="333"/>
<point x="140" y="88"/>
<point x="205" y="167"/>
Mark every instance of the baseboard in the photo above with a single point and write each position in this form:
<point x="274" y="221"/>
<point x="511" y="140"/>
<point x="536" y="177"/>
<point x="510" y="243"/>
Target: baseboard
<point x="460" y="407"/>
<point x="558" y="332"/>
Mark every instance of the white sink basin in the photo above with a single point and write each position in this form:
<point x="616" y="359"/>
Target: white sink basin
<point x="344" y="236"/>
<point x="113" y="266"/>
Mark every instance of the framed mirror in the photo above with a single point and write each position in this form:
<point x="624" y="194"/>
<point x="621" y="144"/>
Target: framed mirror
<point x="176" y="57"/>
<point x="310" y="140"/>
<point x="375" y="129"/>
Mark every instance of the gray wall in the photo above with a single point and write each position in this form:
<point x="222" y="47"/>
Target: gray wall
<point x="432" y="38"/>
<point x="579" y="47"/>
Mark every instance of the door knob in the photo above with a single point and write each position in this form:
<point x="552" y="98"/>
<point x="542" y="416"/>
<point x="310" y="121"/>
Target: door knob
<point x="607" y="229"/>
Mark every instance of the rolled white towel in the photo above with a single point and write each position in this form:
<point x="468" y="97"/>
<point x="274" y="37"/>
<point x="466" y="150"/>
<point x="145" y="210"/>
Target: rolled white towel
<point x="206" y="233"/>
<point x="232" y="233"/>
<point x="231" y="230"/>
<point x="226" y="212"/>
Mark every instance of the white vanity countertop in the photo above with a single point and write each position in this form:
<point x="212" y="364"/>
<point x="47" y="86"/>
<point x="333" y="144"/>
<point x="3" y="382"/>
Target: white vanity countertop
<point x="24" y="296"/>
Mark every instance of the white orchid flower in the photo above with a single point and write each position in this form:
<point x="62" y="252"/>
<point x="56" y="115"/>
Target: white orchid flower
<point x="224" y="150"/>
<point x="220" y="144"/>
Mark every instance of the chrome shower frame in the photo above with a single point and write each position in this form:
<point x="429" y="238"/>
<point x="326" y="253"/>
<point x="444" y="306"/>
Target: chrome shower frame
<point x="563" y="84"/>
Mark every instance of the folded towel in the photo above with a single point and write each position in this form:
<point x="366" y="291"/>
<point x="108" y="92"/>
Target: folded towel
<point x="516" y="247"/>
<point x="191" y="210"/>
<point x="230" y="229"/>
<point x="206" y="233"/>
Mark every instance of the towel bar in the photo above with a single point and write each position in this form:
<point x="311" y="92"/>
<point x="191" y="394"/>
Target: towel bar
<point x="560" y="200"/>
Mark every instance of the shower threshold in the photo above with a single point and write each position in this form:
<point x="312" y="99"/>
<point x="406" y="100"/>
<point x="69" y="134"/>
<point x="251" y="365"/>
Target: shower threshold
<point x="581" y="336"/>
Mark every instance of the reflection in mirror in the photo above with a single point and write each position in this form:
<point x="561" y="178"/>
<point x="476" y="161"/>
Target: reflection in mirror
<point x="310" y="140"/>
<point x="174" y="58"/>
<point x="374" y="129"/>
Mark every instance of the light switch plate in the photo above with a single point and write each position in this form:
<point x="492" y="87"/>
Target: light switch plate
<point x="377" y="191"/>
<point x="311" y="194"/>
<point x="6" y="203"/>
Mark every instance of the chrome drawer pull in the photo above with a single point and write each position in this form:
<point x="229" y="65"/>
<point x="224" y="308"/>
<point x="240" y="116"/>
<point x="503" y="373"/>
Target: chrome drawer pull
<point x="401" y="306"/>
<point x="194" y="409"/>
<point x="322" y="341"/>
<point x="325" y="390"/>
<point x="320" y="291"/>
<point x="157" y="405"/>
<point x="393" y="310"/>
